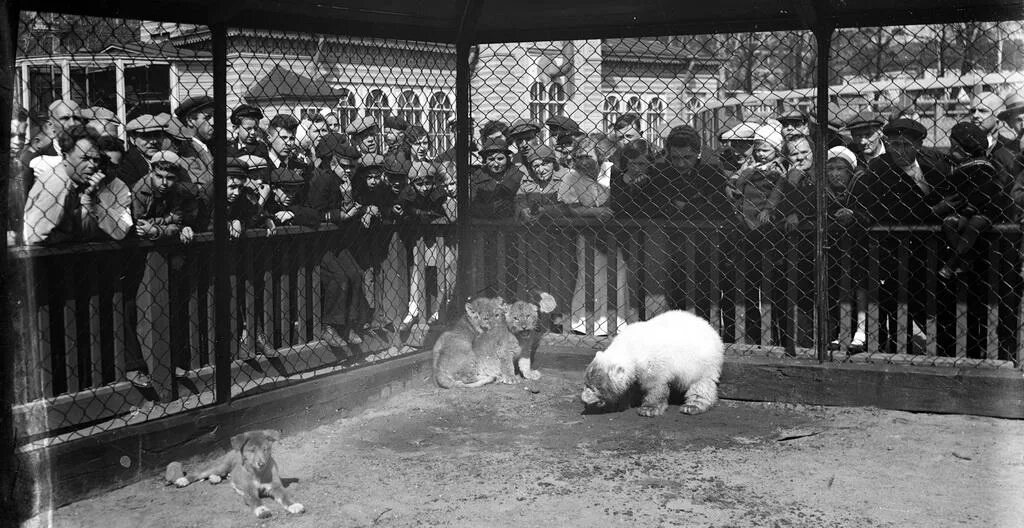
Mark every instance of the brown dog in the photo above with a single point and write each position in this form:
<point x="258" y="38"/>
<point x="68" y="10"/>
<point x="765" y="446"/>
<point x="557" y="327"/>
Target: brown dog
<point x="253" y="472"/>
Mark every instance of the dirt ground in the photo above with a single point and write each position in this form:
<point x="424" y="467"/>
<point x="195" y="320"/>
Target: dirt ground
<point x="506" y="456"/>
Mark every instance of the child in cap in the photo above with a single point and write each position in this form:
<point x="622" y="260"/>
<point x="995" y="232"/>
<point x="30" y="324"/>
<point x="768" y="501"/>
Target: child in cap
<point x="842" y="175"/>
<point x="161" y="205"/>
<point x="286" y="204"/>
<point x="972" y="198"/>
<point x="757" y="184"/>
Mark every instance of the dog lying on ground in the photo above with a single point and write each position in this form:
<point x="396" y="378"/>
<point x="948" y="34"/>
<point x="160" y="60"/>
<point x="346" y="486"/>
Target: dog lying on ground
<point x="252" y="469"/>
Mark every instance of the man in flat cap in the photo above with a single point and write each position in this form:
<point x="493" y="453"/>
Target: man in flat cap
<point x="866" y="130"/>
<point x="900" y="188"/>
<point x="102" y="120"/>
<point x="147" y="135"/>
<point x="197" y="114"/>
<point x="247" y="132"/>
<point x="560" y="126"/>
<point x="394" y="128"/>
<point x="1012" y="115"/>
<point x="363" y="133"/>
<point x="522" y="136"/>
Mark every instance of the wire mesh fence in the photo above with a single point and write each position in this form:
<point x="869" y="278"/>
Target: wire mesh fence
<point x="624" y="176"/>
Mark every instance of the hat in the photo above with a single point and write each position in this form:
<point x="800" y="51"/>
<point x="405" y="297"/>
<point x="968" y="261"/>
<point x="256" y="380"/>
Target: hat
<point x="245" y="112"/>
<point x="360" y="126"/>
<point x="565" y="124"/>
<point x="864" y="119"/>
<point x="414" y="133"/>
<point x="252" y="162"/>
<point x="144" y="123"/>
<point x="769" y="134"/>
<point x="397" y="165"/>
<point x="494" y="145"/>
<point x="970" y="137"/>
<point x="336" y="145"/>
<point x="173" y="127"/>
<point x="237" y="168"/>
<point x="1012" y="106"/>
<point x="371" y="160"/>
<point x="542" y="152"/>
<point x="424" y="170"/>
<point x="793" y="115"/>
<point x="168" y="156"/>
<point x="844" y="154"/>
<point x="76" y="111"/>
<point x="395" y="122"/>
<point x="284" y="176"/>
<point x="565" y="140"/>
<point x="521" y="127"/>
<point x="740" y="132"/>
<point x="683" y="134"/>
<point x="98" y="113"/>
<point x="907" y="128"/>
<point x="192" y="104"/>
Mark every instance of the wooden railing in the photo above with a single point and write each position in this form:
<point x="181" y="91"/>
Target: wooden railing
<point x="654" y="265"/>
<point x="75" y="305"/>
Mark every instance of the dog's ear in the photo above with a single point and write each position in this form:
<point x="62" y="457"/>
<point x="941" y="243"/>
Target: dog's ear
<point x="272" y="434"/>
<point x="239" y="440"/>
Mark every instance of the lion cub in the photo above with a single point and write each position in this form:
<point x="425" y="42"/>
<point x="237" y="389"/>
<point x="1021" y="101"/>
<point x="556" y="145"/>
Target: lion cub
<point x="253" y="472"/>
<point x="477" y="349"/>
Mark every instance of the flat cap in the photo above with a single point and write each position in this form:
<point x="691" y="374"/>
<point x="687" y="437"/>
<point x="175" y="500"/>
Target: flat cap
<point x="494" y="145"/>
<point x="336" y="145"/>
<point x="397" y="165"/>
<point x="237" y="168"/>
<point x="360" y="125"/>
<point x="245" y="111"/>
<point x="144" y="123"/>
<point x="521" y="127"/>
<point x="173" y="127"/>
<point x="193" y="104"/>
<point x="564" y="124"/>
<point x="1012" y="106"/>
<point x="542" y="152"/>
<point x="793" y="115"/>
<point x="285" y="177"/>
<point x="168" y="156"/>
<point x="98" y="113"/>
<point x="252" y="162"/>
<point x="906" y="128"/>
<point x="739" y="132"/>
<point x="865" y="119"/>
<point x="395" y="122"/>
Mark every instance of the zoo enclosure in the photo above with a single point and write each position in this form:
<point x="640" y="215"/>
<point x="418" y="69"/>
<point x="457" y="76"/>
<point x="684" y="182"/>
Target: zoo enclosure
<point x="69" y="378"/>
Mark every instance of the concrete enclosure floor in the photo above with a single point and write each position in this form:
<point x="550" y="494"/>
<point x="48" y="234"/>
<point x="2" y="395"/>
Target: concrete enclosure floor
<point x="509" y="456"/>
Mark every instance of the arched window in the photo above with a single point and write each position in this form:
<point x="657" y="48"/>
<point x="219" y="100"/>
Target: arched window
<point x="635" y="106"/>
<point x="556" y="101"/>
<point x="655" y="121"/>
<point x="410" y="108"/>
<point x="347" y="110"/>
<point x="377" y="107"/>
<point x="538" y="104"/>
<point x="611" y="112"/>
<point x="438" y="115"/>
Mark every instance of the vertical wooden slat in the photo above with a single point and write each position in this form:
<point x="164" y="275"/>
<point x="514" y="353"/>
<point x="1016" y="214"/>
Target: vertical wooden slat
<point x="766" y="286"/>
<point x="301" y="287"/>
<point x="931" y="299"/>
<point x="634" y="277"/>
<point x="961" y="318"/>
<point x="612" y="271"/>
<point x="316" y="292"/>
<point x="118" y="315"/>
<point x="284" y="296"/>
<point x="247" y="280"/>
<point x="690" y="263"/>
<point x="995" y="266"/>
<point x="715" y="262"/>
<point x="522" y="264"/>
<point x="209" y="301"/>
<point x="235" y="324"/>
<point x="193" y="278"/>
<point x="266" y="258"/>
<point x="586" y="259"/>
<point x="790" y="313"/>
<point x="847" y="295"/>
<point x="874" y="321"/>
<point x="740" y="298"/>
<point x="902" y="310"/>
<point x="97" y="279"/>
<point x="71" y="349"/>
<point x="46" y="356"/>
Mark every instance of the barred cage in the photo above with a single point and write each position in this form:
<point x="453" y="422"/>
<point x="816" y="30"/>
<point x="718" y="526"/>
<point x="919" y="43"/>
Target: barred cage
<point x="624" y="176"/>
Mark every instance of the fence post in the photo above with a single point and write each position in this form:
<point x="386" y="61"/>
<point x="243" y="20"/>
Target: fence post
<point x="221" y="260"/>
<point x="10" y="508"/>
<point x="823" y="31"/>
<point x="469" y="11"/>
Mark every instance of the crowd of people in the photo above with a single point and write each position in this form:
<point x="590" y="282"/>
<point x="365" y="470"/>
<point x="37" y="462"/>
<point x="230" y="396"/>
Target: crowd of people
<point x="76" y="181"/>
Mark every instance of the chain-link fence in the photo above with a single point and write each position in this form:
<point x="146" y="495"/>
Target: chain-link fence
<point x="337" y="217"/>
<point x="632" y="176"/>
<point x="624" y="176"/>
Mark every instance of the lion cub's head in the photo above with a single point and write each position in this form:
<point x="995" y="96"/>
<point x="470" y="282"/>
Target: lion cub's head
<point x="255" y="447"/>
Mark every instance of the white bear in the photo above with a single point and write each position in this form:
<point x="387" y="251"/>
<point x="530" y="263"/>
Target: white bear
<point x="674" y="350"/>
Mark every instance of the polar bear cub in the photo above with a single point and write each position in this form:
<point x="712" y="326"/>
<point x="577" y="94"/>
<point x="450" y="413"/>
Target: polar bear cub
<point x="674" y="350"/>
